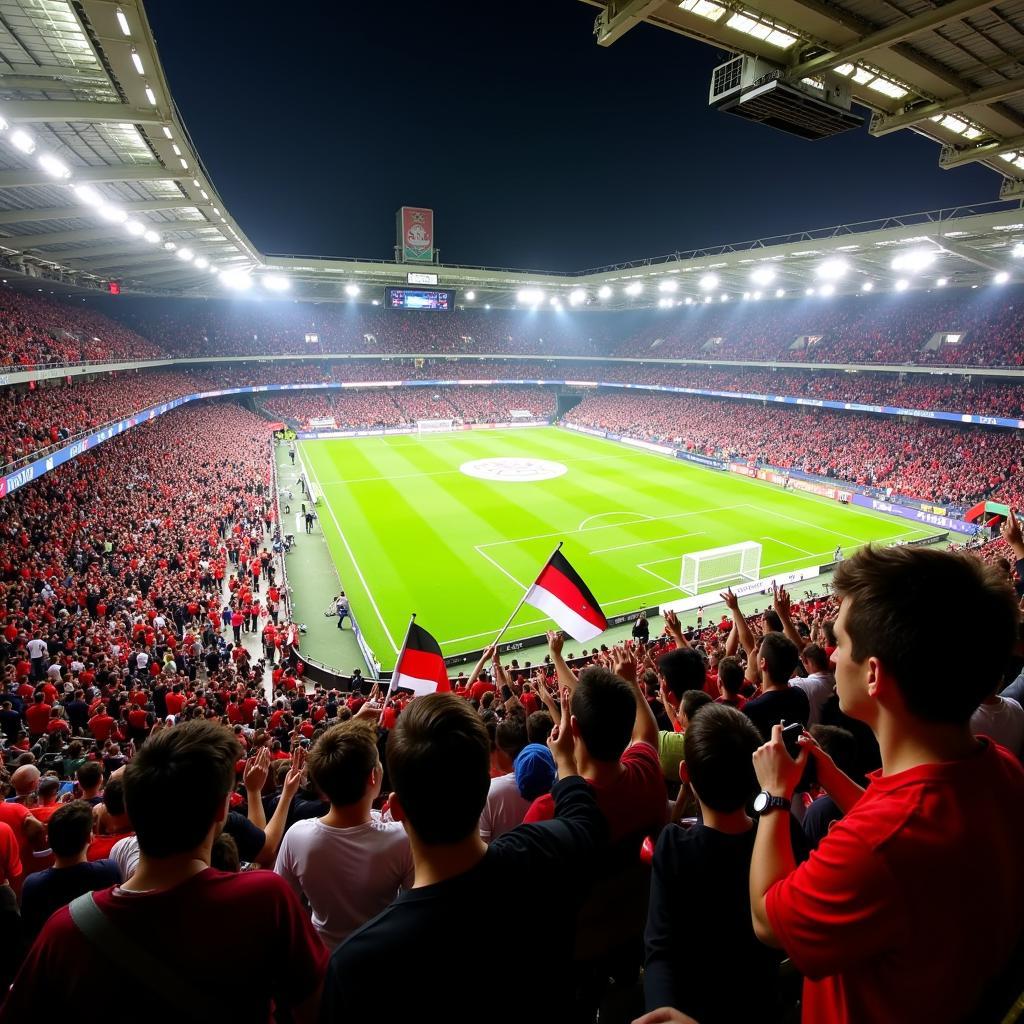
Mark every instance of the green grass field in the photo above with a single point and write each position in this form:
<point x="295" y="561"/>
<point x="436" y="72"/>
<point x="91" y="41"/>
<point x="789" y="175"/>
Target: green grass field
<point x="411" y="532"/>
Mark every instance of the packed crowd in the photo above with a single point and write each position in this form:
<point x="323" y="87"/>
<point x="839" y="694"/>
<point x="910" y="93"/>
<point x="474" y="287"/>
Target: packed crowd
<point x="398" y="407"/>
<point x="863" y="329"/>
<point x="31" y="420"/>
<point x="168" y="813"/>
<point x="949" y="465"/>
<point x="37" y="331"/>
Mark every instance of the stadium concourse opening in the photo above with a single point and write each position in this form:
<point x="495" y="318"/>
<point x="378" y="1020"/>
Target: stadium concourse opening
<point x="659" y="620"/>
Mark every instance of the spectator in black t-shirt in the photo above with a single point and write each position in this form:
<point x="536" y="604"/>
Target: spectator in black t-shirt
<point x="439" y="761"/>
<point x="702" y="955"/>
<point x="841" y="746"/>
<point x="70" y="832"/>
<point x="777" y="658"/>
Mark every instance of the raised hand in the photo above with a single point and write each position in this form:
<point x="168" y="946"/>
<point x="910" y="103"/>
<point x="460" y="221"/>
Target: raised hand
<point x="1011" y="533"/>
<point x="293" y="780"/>
<point x="257" y="768"/>
<point x="560" y="740"/>
<point x="731" y="600"/>
<point x="624" y="664"/>
<point x="556" y="641"/>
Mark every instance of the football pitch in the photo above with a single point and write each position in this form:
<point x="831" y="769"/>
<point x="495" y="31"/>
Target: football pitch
<point x="410" y="530"/>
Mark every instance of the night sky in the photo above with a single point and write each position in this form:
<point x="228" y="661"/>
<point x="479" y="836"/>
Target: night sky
<point x="535" y="147"/>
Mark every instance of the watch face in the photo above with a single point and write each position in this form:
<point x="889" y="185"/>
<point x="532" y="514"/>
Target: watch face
<point x="760" y="802"/>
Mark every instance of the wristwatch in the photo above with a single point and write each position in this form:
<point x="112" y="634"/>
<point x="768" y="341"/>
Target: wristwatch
<point x="765" y="802"/>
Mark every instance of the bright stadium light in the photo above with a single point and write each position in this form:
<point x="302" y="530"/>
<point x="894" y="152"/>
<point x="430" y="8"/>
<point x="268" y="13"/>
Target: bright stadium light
<point x="137" y="61"/>
<point x="709" y="282"/>
<point x="1002" y="277"/>
<point x="201" y="262"/>
<point x="123" y="22"/>
<point x="667" y="286"/>
<point x="665" y="303"/>
<point x="941" y="282"/>
<point x="151" y="96"/>
<point x="1018" y="250"/>
<point x="604" y="292"/>
<point x="54" y="168"/>
<point x="746" y="295"/>
<point x="170" y="246"/>
<point x="88" y="195"/>
<point x="351" y="290"/>
<point x="721" y="298"/>
<point x="689" y="301"/>
<point x="914" y="261"/>
<point x="134" y="227"/>
<point x="470" y="296"/>
<point x="708" y="298"/>
<point x="827" y="290"/>
<point x="113" y="213"/>
<point x="780" y="292"/>
<point x="867" y="286"/>
<point x="276" y="283"/>
<point x="634" y="288"/>
<point x="809" y="291"/>
<point x="184" y="254"/>
<point x="762" y="276"/>
<point x="756" y="296"/>
<point x="167" y="132"/>
<point x="902" y="285"/>
<point x="151" y="236"/>
<point x="832" y="270"/>
<point x="530" y="296"/>
<point x="236" y="279"/>
<point x="577" y="297"/>
<point x="21" y="140"/>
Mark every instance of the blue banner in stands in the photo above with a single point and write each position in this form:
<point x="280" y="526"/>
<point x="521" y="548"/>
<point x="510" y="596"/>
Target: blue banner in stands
<point x="916" y="514"/>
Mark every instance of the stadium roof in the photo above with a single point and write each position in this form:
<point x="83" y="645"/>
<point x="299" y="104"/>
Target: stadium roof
<point x="953" y="72"/>
<point x="100" y="181"/>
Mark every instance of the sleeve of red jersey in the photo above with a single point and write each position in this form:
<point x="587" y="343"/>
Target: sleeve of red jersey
<point x="839" y="908"/>
<point x="542" y="809"/>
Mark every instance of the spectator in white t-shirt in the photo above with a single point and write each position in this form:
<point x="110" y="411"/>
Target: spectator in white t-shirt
<point x="819" y="683"/>
<point x="1000" y="719"/>
<point x="505" y="807"/>
<point x="37" y="651"/>
<point x="349" y="864"/>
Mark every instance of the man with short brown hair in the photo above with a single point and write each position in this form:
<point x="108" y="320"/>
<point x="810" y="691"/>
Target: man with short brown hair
<point x="349" y="864"/>
<point x="865" y="919"/>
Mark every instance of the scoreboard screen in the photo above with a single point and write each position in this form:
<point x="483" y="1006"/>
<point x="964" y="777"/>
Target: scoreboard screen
<point x="420" y="298"/>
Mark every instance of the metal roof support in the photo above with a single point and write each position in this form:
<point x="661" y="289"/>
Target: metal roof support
<point x="24" y="177"/>
<point x="972" y="255"/>
<point x="68" y="212"/>
<point x="57" y="111"/>
<point x="902" y="30"/>
<point x="955" y="156"/>
<point x="882" y="124"/>
<point x="615" y="21"/>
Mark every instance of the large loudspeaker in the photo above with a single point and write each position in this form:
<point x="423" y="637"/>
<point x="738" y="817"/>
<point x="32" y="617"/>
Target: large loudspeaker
<point x="755" y="90"/>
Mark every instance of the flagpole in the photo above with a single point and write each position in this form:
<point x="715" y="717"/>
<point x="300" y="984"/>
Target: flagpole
<point x="398" y="663"/>
<point x="522" y="600"/>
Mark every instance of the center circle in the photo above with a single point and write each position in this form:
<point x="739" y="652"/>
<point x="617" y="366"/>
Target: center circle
<point x="513" y="471"/>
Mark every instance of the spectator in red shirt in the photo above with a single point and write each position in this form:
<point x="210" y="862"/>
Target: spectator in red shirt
<point x="101" y="725"/>
<point x="37" y="714"/>
<point x="864" y="920"/>
<point x="180" y="910"/>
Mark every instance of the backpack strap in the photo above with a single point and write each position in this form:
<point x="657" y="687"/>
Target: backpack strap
<point x="168" y="982"/>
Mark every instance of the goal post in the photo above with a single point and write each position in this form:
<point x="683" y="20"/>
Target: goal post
<point x="718" y="567"/>
<point x="431" y="426"/>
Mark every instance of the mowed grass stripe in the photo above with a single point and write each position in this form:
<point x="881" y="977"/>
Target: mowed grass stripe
<point x="415" y="523"/>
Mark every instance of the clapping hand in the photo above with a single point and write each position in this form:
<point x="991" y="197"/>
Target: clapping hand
<point x="560" y="740"/>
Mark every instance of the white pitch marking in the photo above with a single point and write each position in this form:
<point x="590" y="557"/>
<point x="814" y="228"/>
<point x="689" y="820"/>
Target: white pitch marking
<point x="600" y="515"/>
<point x="794" y="547"/>
<point x="355" y="564"/>
<point x="645" y="543"/>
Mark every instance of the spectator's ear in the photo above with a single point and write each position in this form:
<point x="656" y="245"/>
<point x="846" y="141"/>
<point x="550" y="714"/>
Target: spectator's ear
<point x="684" y="773"/>
<point x="395" y="807"/>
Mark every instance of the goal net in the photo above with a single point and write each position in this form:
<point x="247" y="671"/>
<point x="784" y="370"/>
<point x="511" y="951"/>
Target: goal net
<point x="718" y="567"/>
<point x="426" y="426"/>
